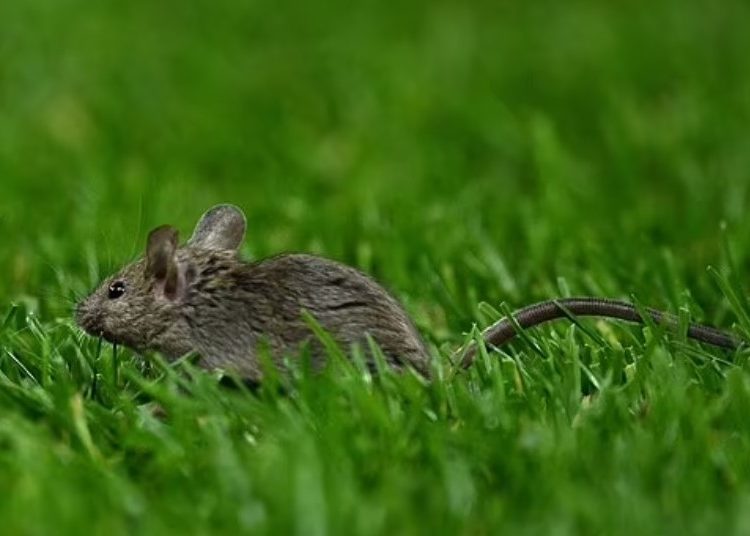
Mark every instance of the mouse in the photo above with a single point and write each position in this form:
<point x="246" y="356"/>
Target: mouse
<point x="202" y="298"/>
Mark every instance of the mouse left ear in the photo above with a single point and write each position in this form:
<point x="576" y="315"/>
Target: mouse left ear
<point x="161" y="263"/>
<point x="222" y="227"/>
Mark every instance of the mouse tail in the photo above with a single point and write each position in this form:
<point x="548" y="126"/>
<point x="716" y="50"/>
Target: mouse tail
<point x="541" y="313"/>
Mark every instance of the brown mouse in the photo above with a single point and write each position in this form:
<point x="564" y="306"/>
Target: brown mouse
<point x="201" y="297"/>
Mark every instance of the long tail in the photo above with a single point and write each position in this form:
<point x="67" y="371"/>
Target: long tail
<point x="543" y="312"/>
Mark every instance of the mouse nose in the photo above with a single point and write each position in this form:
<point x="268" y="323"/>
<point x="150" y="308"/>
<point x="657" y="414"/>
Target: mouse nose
<point x="80" y="312"/>
<point x="87" y="319"/>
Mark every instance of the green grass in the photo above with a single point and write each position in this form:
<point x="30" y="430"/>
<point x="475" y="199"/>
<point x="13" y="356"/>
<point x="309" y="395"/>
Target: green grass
<point x="474" y="158"/>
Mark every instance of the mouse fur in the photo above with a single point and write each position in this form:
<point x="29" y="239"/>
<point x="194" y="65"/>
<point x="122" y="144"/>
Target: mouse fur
<point x="202" y="298"/>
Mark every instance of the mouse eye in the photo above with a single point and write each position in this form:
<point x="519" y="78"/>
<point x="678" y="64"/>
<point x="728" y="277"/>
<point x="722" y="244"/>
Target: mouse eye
<point x="116" y="290"/>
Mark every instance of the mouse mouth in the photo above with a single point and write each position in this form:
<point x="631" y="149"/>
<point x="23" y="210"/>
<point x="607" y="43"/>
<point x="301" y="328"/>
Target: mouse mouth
<point x="94" y="327"/>
<point x="94" y="324"/>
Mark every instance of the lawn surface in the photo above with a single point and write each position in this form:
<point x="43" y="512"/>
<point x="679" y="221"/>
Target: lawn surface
<point x="474" y="159"/>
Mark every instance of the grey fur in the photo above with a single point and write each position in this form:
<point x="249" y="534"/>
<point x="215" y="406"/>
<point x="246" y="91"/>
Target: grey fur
<point x="206" y="300"/>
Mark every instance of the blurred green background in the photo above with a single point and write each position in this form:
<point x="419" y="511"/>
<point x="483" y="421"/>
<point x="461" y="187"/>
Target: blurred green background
<point x="398" y="137"/>
<point x="459" y="151"/>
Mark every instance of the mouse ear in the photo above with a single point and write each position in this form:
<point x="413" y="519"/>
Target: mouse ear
<point x="160" y="257"/>
<point x="222" y="227"/>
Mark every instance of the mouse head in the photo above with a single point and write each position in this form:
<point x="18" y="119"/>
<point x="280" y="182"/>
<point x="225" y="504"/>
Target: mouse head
<point x="142" y="306"/>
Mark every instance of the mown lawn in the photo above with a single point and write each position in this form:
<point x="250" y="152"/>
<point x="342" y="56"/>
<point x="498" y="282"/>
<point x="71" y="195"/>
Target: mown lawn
<point x="474" y="157"/>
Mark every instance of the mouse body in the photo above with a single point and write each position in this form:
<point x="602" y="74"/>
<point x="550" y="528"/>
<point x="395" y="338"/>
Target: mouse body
<point x="201" y="297"/>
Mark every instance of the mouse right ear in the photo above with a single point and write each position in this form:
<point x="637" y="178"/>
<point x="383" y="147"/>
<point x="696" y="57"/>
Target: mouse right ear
<point x="161" y="263"/>
<point x="222" y="227"/>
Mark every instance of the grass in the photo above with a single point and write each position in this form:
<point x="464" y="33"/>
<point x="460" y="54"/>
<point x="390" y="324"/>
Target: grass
<point x="474" y="158"/>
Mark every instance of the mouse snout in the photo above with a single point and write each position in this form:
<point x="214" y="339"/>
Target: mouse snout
<point x="88" y="319"/>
